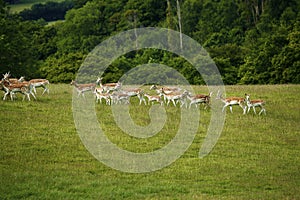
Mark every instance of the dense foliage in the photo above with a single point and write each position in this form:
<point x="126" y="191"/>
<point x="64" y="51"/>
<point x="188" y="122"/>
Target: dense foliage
<point x="251" y="41"/>
<point x="50" y="11"/>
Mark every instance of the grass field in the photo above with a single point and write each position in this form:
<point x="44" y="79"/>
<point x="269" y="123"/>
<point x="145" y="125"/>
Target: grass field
<point x="26" y="4"/>
<point x="256" y="157"/>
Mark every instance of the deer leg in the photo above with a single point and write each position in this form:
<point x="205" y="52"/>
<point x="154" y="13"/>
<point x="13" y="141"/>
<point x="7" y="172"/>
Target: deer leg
<point x="174" y="102"/>
<point x="34" y="89"/>
<point x="28" y="96"/>
<point x="244" y="108"/>
<point x="45" y="89"/>
<point x="168" y="102"/>
<point x="254" y="109"/>
<point x="262" y="110"/>
<point x="249" y="107"/>
<point x="11" y="96"/>
<point x="33" y="95"/>
<point x="4" y="98"/>
<point x="224" y="107"/>
<point x="230" y="107"/>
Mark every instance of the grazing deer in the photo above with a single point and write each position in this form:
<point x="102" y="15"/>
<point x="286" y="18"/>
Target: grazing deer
<point x="255" y="103"/>
<point x="231" y="101"/>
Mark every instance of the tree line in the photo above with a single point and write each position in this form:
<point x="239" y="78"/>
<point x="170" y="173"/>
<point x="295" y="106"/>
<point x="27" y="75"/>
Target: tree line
<point x="251" y="41"/>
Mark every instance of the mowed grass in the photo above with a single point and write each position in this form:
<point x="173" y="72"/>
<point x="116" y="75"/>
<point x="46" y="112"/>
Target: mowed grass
<point x="256" y="157"/>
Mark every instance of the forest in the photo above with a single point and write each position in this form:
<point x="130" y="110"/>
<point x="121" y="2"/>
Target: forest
<point x="251" y="41"/>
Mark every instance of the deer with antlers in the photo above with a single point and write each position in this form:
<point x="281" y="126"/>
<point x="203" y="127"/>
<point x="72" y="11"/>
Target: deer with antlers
<point x="255" y="103"/>
<point x="24" y="88"/>
<point x="35" y="83"/>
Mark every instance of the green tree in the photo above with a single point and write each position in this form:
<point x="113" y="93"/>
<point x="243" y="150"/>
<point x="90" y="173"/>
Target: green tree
<point x="228" y="58"/>
<point x="17" y="50"/>
<point x="59" y="68"/>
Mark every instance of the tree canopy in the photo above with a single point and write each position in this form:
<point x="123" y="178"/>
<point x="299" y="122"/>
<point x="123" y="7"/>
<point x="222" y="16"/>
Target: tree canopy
<point x="251" y="41"/>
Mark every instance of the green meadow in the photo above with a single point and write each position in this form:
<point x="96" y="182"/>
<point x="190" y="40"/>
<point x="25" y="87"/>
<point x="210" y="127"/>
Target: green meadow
<point x="256" y="157"/>
<point x="26" y="4"/>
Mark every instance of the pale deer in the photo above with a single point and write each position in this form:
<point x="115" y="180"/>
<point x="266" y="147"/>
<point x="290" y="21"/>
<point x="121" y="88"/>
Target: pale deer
<point x="23" y="88"/>
<point x="167" y="90"/>
<point x="175" y="97"/>
<point x="109" y="87"/>
<point x="100" y="95"/>
<point x="82" y="88"/>
<point x="199" y="98"/>
<point x="232" y="101"/>
<point x="154" y="98"/>
<point x="132" y="92"/>
<point x="36" y="83"/>
<point x="255" y="103"/>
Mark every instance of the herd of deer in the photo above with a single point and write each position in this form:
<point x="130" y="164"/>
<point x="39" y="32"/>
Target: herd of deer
<point x="11" y="86"/>
<point x="115" y="93"/>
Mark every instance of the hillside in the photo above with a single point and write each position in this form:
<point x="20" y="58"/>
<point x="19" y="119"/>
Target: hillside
<point x="251" y="42"/>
